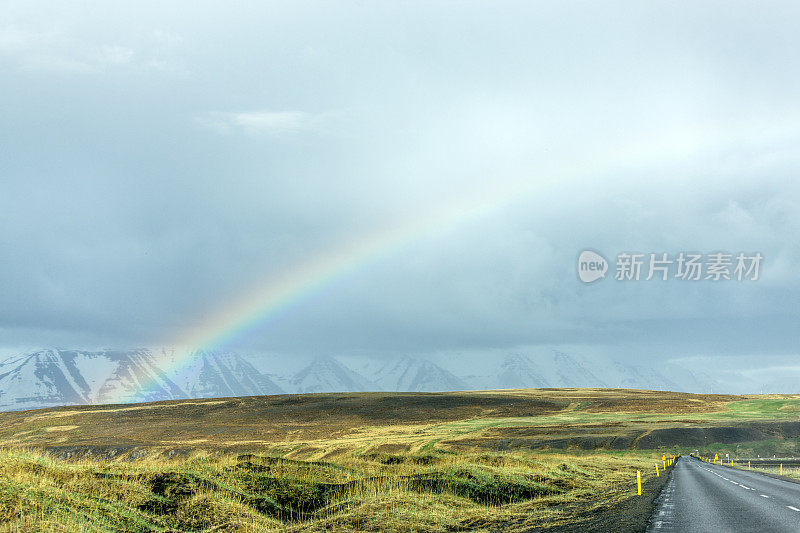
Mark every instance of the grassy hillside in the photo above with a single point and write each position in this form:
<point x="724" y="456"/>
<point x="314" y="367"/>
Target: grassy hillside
<point x="525" y="460"/>
<point x="529" y="418"/>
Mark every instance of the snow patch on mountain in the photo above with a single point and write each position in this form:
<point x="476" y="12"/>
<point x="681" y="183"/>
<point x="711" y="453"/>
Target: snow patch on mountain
<point x="409" y="374"/>
<point x="49" y="378"/>
<point x="66" y="377"/>
<point x="325" y="374"/>
<point x="518" y="371"/>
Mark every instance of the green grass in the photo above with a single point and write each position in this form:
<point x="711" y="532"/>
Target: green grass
<point x="351" y="462"/>
<point x="401" y="492"/>
<point x="763" y="409"/>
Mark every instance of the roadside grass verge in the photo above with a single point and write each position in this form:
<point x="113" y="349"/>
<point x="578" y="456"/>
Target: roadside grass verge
<point x="431" y="490"/>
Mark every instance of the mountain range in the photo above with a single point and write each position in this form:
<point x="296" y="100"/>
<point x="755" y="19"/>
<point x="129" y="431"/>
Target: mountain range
<point x="70" y="377"/>
<point x="73" y="377"/>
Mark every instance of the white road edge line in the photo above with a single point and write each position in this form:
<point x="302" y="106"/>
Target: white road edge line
<point x="793" y="508"/>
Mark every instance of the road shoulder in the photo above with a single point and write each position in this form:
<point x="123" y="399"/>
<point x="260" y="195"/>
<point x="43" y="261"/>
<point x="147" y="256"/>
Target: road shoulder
<point x="631" y="514"/>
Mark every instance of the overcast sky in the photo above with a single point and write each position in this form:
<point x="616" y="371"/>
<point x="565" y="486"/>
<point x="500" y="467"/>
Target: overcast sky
<point x="159" y="160"/>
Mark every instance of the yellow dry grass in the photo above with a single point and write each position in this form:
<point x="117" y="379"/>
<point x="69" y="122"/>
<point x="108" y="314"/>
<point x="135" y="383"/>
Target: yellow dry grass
<point x="435" y="491"/>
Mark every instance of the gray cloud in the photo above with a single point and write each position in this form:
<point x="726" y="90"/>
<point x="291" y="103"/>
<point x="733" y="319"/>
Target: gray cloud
<point x="159" y="162"/>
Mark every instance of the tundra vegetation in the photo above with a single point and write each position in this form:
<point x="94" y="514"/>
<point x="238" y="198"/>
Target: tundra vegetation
<point x="511" y="460"/>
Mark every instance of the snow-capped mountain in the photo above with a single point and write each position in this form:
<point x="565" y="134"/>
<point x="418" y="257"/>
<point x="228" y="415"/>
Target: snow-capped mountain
<point x="556" y="368"/>
<point x="641" y="377"/>
<point x="694" y="379"/>
<point x="43" y="379"/>
<point x="546" y="369"/>
<point x="325" y="374"/>
<point x="409" y="374"/>
<point x="571" y="372"/>
<point x="135" y="376"/>
<point x="517" y="371"/>
<point x="209" y="374"/>
<point x="68" y="377"/>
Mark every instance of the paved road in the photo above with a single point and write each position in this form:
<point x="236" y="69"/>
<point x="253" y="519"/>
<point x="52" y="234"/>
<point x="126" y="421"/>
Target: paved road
<point x="703" y="497"/>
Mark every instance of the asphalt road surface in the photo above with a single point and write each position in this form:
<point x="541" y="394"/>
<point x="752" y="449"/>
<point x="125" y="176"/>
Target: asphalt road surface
<point x="706" y="498"/>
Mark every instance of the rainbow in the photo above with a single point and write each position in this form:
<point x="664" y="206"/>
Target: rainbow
<point x="299" y="283"/>
<point x="280" y="293"/>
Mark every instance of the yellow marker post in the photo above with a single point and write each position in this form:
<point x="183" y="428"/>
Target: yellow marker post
<point x="781" y="469"/>
<point x="639" y="482"/>
<point x="657" y="474"/>
<point x="664" y="462"/>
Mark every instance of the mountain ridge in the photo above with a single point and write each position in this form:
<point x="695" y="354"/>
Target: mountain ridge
<point x="48" y="378"/>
